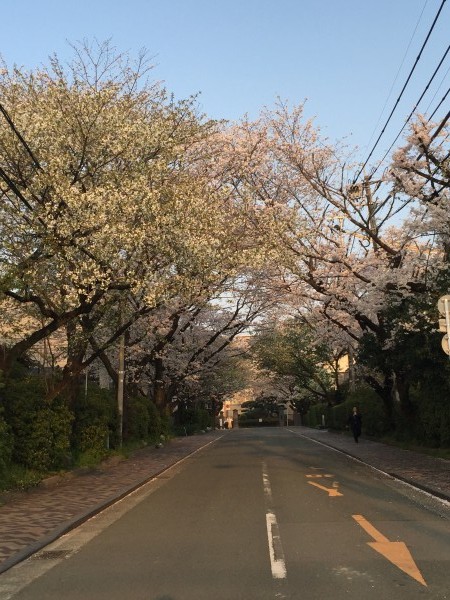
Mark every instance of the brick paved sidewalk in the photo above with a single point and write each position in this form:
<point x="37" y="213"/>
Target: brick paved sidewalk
<point x="29" y="521"/>
<point x="424" y="472"/>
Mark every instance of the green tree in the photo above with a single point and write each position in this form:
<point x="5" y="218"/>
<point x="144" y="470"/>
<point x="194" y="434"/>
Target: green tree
<point x="262" y="407"/>
<point x="290" y="351"/>
<point x="410" y="358"/>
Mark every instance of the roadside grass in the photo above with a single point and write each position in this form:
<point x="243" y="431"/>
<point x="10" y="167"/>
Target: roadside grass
<point x="18" y="478"/>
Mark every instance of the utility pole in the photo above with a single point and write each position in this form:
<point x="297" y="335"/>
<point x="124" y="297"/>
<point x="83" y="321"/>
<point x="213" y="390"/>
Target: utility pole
<point x="213" y="404"/>
<point x="121" y="375"/>
<point x="120" y="385"/>
<point x="351" y="370"/>
<point x="371" y="210"/>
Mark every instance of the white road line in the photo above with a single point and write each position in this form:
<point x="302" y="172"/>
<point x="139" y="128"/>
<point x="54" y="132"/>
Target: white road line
<point x="267" y="487"/>
<point x="277" y="561"/>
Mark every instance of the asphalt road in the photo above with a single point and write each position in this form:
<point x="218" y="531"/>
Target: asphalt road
<point x="260" y="514"/>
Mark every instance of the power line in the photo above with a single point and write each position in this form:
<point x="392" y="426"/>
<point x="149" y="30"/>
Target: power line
<point x="440" y="103"/>
<point x="437" y="91"/>
<point x="441" y="126"/>
<point x="433" y="137"/>
<point x="403" y="89"/>
<point x="414" y="109"/>
<point x="398" y="73"/>
<point x="19" y="135"/>
<point x="419" y="156"/>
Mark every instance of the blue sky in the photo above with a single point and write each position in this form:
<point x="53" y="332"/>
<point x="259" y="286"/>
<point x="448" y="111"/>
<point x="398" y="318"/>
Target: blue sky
<point x="340" y="55"/>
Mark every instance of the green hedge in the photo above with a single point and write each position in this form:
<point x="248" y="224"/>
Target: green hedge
<point x="41" y="430"/>
<point x="428" y="425"/>
<point x="143" y="420"/>
<point x="6" y="446"/>
<point x="431" y="419"/>
<point x="46" y="436"/>
<point x="369" y="405"/>
<point x="191" y="419"/>
<point x="313" y="417"/>
<point x="96" y="421"/>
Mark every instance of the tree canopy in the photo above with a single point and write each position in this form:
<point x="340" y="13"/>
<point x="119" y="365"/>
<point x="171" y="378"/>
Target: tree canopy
<point x="126" y="212"/>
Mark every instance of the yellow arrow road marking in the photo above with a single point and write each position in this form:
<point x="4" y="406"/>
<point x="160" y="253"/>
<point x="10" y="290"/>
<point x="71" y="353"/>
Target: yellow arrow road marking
<point x="396" y="552"/>
<point x="370" y="529"/>
<point x="333" y="492"/>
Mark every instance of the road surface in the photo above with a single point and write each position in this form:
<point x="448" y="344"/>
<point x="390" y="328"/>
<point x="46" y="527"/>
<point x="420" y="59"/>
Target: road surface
<point x="260" y="514"/>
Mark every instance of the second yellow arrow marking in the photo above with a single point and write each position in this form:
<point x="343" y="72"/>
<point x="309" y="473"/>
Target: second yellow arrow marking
<point x="333" y="492"/>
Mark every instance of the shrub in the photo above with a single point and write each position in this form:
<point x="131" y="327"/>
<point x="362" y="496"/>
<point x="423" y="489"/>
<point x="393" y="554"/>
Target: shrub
<point x="136" y="418"/>
<point x="369" y="405"/>
<point x="41" y="430"/>
<point x="191" y="419"/>
<point x="6" y="446"/>
<point x="431" y="415"/>
<point x="143" y="420"/>
<point x="96" y="420"/>
<point x="313" y="418"/>
<point x="93" y="437"/>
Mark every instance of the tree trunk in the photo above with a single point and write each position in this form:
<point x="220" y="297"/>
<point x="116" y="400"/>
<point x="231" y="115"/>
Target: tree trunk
<point x="76" y="349"/>
<point x="401" y="389"/>
<point x="159" y="388"/>
<point x="384" y="391"/>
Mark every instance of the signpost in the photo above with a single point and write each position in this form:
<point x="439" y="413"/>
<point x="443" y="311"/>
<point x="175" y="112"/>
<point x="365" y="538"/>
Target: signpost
<point x="445" y="346"/>
<point x="444" y="324"/>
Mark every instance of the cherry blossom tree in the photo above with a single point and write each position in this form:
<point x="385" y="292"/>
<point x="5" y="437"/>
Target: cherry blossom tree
<point x="346" y="248"/>
<point x="105" y="197"/>
<point x="176" y="346"/>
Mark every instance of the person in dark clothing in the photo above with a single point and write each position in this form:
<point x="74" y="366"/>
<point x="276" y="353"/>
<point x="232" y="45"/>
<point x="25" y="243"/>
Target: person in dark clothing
<point x="355" y="423"/>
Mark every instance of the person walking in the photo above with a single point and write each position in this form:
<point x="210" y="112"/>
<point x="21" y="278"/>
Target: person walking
<point x="355" y="423"/>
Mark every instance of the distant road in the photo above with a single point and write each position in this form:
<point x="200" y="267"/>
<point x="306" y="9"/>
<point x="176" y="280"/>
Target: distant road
<point x="261" y="514"/>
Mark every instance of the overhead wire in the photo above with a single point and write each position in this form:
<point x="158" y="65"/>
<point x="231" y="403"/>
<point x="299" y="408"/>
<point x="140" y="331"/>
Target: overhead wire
<point x="437" y="90"/>
<point x="419" y="156"/>
<point x="15" y="189"/>
<point x="440" y="126"/>
<point x="402" y="90"/>
<point x="398" y="73"/>
<point x="440" y="103"/>
<point x="18" y="134"/>
<point x="413" y="110"/>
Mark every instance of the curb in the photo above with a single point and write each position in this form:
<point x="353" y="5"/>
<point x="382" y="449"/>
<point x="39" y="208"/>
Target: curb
<point x="421" y="486"/>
